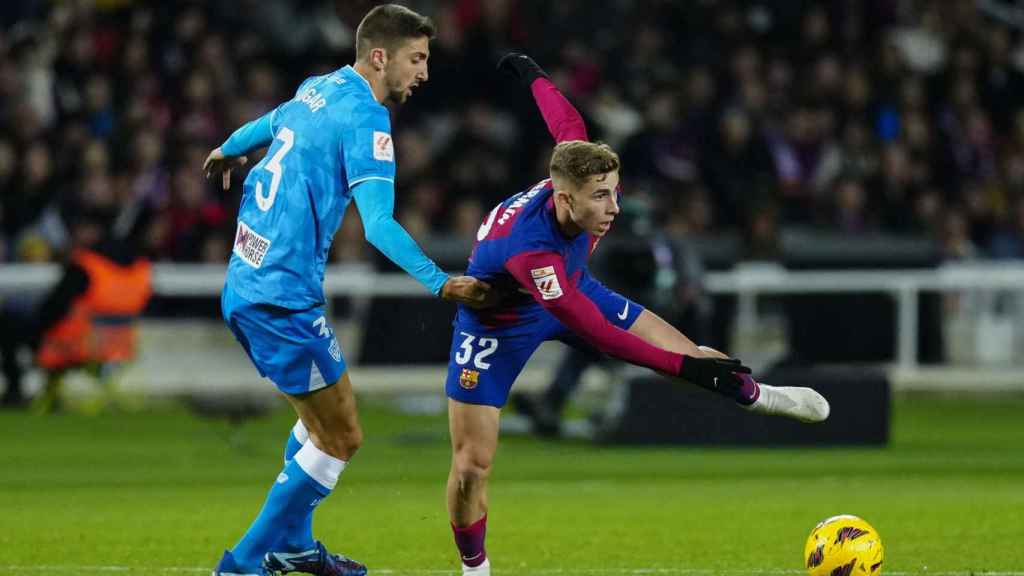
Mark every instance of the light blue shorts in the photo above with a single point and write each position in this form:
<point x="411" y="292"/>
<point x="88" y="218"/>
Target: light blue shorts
<point x="296" y="349"/>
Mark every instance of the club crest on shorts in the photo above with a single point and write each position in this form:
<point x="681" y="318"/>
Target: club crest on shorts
<point x="547" y="282"/>
<point x="469" y="378"/>
<point x="335" y="350"/>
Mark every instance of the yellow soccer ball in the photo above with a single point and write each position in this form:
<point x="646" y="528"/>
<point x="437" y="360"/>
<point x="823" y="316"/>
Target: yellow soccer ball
<point x="843" y="545"/>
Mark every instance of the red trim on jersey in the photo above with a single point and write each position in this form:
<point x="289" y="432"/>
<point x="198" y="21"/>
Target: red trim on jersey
<point x="543" y="274"/>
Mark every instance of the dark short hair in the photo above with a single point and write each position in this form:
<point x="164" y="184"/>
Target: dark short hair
<point x="386" y="26"/>
<point x="577" y="160"/>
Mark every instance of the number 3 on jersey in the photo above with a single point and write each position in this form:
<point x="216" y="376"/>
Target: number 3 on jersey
<point x="488" y="346"/>
<point x="287" y="138"/>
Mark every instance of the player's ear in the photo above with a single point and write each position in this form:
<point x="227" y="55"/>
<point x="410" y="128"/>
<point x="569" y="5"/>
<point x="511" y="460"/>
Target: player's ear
<point x="564" y="197"/>
<point x="378" y="59"/>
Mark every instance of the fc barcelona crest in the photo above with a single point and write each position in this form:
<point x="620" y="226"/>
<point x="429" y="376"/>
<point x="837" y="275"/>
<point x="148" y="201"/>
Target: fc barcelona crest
<point x="469" y="378"/>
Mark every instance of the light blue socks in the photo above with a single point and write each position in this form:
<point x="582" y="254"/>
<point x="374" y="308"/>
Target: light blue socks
<point x="285" y="522"/>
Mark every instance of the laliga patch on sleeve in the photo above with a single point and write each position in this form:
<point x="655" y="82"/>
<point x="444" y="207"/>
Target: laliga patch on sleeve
<point x="383" y="147"/>
<point x="547" y="282"/>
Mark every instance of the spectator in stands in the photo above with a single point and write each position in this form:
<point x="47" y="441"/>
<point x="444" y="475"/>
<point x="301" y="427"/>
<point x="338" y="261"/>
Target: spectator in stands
<point x="902" y="100"/>
<point x="738" y="167"/>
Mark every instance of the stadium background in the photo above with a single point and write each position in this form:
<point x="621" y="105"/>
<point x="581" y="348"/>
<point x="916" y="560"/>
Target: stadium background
<point x="885" y="116"/>
<point x="758" y="138"/>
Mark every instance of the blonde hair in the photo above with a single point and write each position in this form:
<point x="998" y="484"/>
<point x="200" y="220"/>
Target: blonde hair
<point x="576" y="160"/>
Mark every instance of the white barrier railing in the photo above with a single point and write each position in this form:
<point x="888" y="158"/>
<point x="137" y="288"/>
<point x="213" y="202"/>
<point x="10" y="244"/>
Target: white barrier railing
<point x="747" y="282"/>
<point x="905" y="286"/>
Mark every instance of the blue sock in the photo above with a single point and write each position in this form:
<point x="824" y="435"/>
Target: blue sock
<point x="294" y="442"/>
<point x="304" y="482"/>
<point x="297" y="537"/>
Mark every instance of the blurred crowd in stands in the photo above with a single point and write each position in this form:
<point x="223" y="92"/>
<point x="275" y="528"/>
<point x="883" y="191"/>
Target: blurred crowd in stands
<point x="855" y="116"/>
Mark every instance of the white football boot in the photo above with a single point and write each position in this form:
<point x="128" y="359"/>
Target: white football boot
<point x="803" y="404"/>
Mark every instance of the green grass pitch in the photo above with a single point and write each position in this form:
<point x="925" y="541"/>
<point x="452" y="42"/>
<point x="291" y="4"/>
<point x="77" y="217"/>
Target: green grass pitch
<point x="164" y="492"/>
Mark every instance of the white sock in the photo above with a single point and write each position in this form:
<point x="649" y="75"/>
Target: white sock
<point x="484" y="569"/>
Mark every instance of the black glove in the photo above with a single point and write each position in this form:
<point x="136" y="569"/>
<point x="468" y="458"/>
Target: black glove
<point x="521" y="67"/>
<point x="716" y="374"/>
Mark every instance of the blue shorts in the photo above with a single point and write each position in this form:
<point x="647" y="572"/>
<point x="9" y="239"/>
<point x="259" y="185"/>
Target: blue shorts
<point x="296" y="349"/>
<point x="483" y="363"/>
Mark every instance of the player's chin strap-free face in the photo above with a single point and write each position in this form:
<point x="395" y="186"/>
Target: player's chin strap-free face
<point x="405" y="65"/>
<point x="383" y="64"/>
<point x="568" y="200"/>
<point x="573" y="197"/>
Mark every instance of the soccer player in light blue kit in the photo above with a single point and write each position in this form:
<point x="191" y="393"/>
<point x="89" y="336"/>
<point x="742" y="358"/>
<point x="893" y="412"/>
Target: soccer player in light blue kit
<point x="329" y="144"/>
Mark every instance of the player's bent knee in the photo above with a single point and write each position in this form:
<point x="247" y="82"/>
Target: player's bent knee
<point x="472" y="467"/>
<point x="352" y="439"/>
<point x="469" y="479"/>
<point x="342" y="444"/>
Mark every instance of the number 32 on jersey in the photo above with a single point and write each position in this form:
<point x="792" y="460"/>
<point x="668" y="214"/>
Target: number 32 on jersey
<point x="484" y="348"/>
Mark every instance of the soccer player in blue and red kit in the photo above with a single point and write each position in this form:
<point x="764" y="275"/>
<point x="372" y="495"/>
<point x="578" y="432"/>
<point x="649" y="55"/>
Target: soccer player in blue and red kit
<point x="533" y="249"/>
<point x="328" y="145"/>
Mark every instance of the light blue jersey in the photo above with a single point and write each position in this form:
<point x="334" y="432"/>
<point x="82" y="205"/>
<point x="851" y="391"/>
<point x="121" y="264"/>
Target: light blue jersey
<point x="327" y="146"/>
<point x="330" y="137"/>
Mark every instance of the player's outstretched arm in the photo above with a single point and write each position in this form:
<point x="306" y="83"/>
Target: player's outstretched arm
<point x="251" y="136"/>
<point x="654" y="330"/>
<point x="543" y="275"/>
<point x="563" y="120"/>
<point x="232" y="153"/>
<point x="219" y="163"/>
<point x="375" y="199"/>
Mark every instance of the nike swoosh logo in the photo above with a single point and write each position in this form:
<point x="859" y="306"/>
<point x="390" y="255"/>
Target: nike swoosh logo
<point x="625" y="312"/>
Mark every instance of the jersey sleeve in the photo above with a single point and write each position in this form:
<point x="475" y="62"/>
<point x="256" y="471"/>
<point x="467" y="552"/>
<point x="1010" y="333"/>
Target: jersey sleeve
<point x="543" y="275"/>
<point x="375" y="200"/>
<point x="367" y="150"/>
<point x="252" y="135"/>
<point x="563" y="120"/>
